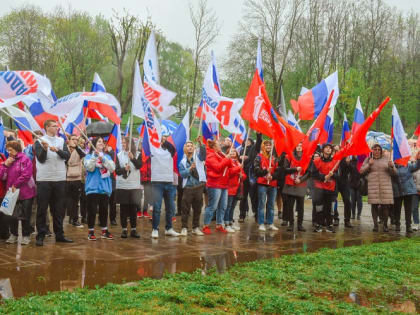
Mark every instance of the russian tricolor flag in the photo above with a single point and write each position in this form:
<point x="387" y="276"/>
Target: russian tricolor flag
<point x="179" y="137"/>
<point x="329" y="124"/>
<point x="401" y="151"/>
<point x="25" y="124"/>
<point x="345" y="134"/>
<point x="291" y="120"/>
<point x="309" y="105"/>
<point x="259" y="64"/>
<point x="37" y="110"/>
<point x="114" y="139"/>
<point x="359" y="117"/>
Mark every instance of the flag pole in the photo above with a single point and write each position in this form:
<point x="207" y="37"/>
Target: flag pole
<point x="62" y="128"/>
<point x="84" y="135"/>
<point x="246" y="145"/>
<point x="18" y="122"/>
<point x="271" y="155"/>
<point x="131" y="132"/>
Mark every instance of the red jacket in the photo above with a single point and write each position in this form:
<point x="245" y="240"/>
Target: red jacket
<point x="217" y="169"/>
<point x="322" y="168"/>
<point x="234" y="172"/>
<point x="262" y="168"/>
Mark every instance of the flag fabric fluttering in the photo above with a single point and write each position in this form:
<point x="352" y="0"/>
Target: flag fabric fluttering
<point x="329" y="124"/>
<point x="88" y="107"/>
<point x="282" y="105"/>
<point x="309" y="105"/>
<point x="358" y="118"/>
<point x="417" y="133"/>
<point x="345" y="134"/>
<point x="168" y="127"/>
<point x="25" y="124"/>
<point x="159" y="97"/>
<point x="357" y="144"/>
<point x="401" y="152"/>
<point x="179" y="137"/>
<point x="291" y="120"/>
<point x="114" y="139"/>
<point x="318" y="133"/>
<point x="141" y="107"/>
<point x="127" y="128"/>
<point x="259" y="64"/>
<point x="2" y="137"/>
<point x="239" y="138"/>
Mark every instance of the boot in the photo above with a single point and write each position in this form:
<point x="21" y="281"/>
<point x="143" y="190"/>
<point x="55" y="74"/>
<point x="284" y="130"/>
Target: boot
<point x="301" y="228"/>
<point x="375" y="219"/>
<point x="408" y="229"/>
<point x="291" y="227"/>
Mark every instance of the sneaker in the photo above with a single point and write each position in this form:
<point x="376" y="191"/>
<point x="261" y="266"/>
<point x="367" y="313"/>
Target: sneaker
<point x="124" y="234"/>
<point x="134" y="234"/>
<point x="330" y="229"/>
<point x="77" y="224"/>
<point x="272" y="227"/>
<point x="155" y="233"/>
<point x="318" y="229"/>
<point x="146" y="215"/>
<point x="197" y="231"/>
<point x="230" y="229"/>
<point x="139" y="214"/>
<point x="207" y="230"/>
<point x="220" y="228"/>
<point x="48" y="234"/>
<point x="12" y="239"/>
<point x="25" y="240"/>
<point x="91" y="237"/>
<point x="415" y="227"/>
<point x="236" y="227"/>
<point x="39" y="242"/>
<point x="107" y="235"/>
<point x="171" y="232"/>
<point x="184" y="232"/>
<point x="261" y="228"/>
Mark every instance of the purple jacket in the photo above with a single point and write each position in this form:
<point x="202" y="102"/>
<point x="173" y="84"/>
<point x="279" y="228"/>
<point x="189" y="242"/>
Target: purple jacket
<point x="19" y="174"/>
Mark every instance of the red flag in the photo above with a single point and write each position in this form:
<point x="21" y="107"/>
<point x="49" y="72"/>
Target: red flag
<point x="315" y="135"/>
<point x="357" y="144"/>
<point x="257" y="108"/>
<point x="417" y="132"/>
<point x="289" y="137"/>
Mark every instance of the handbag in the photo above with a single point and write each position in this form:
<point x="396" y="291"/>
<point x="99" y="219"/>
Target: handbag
<point x="363" y="186"/>
<point x="9" y="202"/>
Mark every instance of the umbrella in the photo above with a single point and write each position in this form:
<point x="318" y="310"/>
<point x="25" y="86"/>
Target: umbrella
<point x="380" y="138"/>
<point x="99" y="128"/>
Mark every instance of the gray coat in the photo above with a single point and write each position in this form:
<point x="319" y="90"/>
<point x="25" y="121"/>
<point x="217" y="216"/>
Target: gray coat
<point x="403" y="184"/>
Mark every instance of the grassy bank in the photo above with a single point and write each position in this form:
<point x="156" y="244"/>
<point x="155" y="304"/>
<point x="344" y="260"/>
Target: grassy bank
<point x="383" y="277"/>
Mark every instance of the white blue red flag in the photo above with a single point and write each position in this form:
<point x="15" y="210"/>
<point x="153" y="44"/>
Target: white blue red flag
<point x="359" y="117"/>
<point x="114" y="139"/>
<point x="25" y="124"/>
<point x="329" y="124"/>
<point x="309" y="105"/>
<point x="345" y="134"/>
<point x="127" y="128"/>
<point x="180" y="136"/>
<point x="239" y="138"/>
<point x="259" y="64"/>
<point x="401" y="152"/>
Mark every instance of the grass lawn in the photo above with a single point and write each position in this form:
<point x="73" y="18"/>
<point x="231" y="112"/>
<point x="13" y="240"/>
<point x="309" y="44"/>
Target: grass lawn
<point x="382" y="277"/>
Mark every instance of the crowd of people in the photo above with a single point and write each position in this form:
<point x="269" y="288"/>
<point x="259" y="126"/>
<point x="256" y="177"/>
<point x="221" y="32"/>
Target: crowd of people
<point x="83" y="178"/>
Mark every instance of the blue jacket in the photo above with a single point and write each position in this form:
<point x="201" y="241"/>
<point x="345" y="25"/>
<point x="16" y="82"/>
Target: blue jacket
<point x="96" y="183"/>
<point x="403" y="184"/>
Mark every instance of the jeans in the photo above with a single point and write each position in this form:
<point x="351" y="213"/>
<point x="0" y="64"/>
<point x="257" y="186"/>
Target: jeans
<point x="416" y="200"/>
<point x="163" y="191"/>
<point x="231" y="204"/>
<point x="217" y="202"/>
<point x="323" y="200"/>
<point x="356" y="200"/>
<point x="266" y="194"/>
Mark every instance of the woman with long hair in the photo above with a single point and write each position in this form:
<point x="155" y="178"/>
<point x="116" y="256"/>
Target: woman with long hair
<point x="98" y="187"/>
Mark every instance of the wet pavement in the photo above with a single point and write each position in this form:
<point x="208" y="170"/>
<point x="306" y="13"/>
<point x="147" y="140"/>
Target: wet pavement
<point x="57" y="267"/>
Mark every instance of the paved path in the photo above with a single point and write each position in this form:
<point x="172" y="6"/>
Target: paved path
<point x="66" y="266"/>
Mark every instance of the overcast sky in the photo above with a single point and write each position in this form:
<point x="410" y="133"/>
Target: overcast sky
<point x="171" y="16"/>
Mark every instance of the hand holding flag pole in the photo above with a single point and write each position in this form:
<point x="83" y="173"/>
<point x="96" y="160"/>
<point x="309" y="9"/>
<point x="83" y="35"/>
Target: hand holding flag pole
<point x="84" y="135"/>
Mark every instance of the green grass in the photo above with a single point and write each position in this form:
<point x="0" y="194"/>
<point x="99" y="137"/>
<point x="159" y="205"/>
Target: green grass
<point x="384" y="275"/>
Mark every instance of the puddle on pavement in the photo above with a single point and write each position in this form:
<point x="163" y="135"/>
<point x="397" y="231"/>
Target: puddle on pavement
<point x="55" y="267"/>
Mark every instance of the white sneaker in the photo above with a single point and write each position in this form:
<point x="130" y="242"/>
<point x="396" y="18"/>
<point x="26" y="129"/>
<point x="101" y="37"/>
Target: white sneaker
<point x="12" y="239"/>
<point x="25" y="240"/>
<point x="415" y="227"/>
<point x="229" y="229"/>
<point x="155" y="233"/>
<point x="236" y="227"/>
<point x="184" y="232"/>
<point x="262" y="227"/>
<point x="272" y="227"/>
<point x="171" y="232"/>
<point x="198" y="232"/>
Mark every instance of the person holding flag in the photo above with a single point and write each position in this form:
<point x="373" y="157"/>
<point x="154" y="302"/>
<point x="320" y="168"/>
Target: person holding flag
<point x="324" y="180"/>
<point x="266" y="172"/>
<point x="98" y="188"/>
<point x="51" y="156"/>
<point x="128" y="193"/>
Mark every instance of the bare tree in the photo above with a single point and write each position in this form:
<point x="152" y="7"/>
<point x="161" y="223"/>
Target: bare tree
<point x="206" y="29"/>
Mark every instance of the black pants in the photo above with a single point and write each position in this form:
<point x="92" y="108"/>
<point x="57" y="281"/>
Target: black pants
<point x="253" y="195"/>
<point x="26" y="220"/>
<point x="73" y="195"/>
<point x="243" y="205"/>
<point x="95" y="202"/>
<point x="112" y="206"/>
<point x="356" y="201"/>
<point x="4" y="225"/>
<point x="83" y="203"/>
<point x="180" y="191"/>
<point x="148" y="197"/>
<point x="408" y="205"/>
<point x="50" y="194"/>
<point x="344" y="190"/>
<point x="192" y="198"/>
<point x="128" y="211"/>
<point x="288" y="205"/>
<point x="382" y="212"/>
<point x="323" y="206"/>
